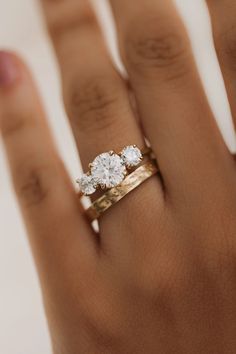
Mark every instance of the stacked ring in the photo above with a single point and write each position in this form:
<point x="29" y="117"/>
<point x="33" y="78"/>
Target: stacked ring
<point x="109" y="169"/>
<point x="114" y="195"/>
<point x="115" y="173"/>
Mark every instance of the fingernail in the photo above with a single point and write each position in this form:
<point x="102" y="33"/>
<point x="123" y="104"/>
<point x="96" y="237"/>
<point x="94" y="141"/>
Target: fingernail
<point x="8" y="69"/>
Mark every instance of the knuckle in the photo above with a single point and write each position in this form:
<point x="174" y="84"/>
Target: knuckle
<point x="226" y="45"/>
<point x="221" y="256"/>
<point x="32" y="183"/>
<point x="13" y="124"/>
<point x="103" y="329"/>
<point x="155" y="283"/>
<point x="67" y="17"/>
<point x="103" y="321"/>
<point x="154" y="46"/>
<point x="218" y="252"/>
<point x="92" y="105"/>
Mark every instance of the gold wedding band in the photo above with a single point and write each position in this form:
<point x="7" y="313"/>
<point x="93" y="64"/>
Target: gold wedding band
<point x="115" y="194"/>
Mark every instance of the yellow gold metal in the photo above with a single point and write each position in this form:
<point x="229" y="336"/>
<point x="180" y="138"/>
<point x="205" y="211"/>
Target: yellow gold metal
<point x="114" y="195"/>
<point x="146" y="151"/>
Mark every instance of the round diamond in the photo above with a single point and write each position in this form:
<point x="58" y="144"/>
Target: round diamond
<point x="131" y="156"/>
<point x="86" y="184"/>
<point x="108" y="170"/>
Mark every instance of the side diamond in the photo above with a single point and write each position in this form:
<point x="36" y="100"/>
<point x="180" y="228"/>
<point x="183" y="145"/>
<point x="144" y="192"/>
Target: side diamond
<point x="131" y="155"/>
<point x="86" y="184"/>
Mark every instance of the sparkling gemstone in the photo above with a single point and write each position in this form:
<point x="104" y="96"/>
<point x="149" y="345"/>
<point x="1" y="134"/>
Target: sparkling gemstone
<point x="131" y="156"/>
<point x="108" y="170"/>
<point x="86" y="184"/>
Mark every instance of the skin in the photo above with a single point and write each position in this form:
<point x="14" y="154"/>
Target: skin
<point x="160" y="275"/>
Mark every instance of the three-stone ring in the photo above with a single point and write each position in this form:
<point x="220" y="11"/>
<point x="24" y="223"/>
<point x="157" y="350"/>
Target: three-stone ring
<point x="109" y="169"/>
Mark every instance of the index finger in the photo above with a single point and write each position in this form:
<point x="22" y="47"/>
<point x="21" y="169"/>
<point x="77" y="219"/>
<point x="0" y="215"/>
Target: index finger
<point x="58" y="231"/>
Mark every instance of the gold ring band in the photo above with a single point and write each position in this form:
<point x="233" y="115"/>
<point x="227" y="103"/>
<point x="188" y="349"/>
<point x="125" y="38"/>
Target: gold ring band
<point x="114" y="195"/>
<point x="109" y="169"/>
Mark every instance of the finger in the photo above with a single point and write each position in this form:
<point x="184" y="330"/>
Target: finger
<point x="174" y="111"/>
<point x="58" y="233"/>
<point x="224" y="31"/>
<point x="96" y="97"/>
<point x="98" y="105"/>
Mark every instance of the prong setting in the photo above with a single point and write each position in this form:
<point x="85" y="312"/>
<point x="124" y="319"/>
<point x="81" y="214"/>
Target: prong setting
<point x="87" y="184"/>
<point x="131" y="155"/>
<point x="109" y="169"/>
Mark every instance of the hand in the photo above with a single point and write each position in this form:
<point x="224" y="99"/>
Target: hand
<point x="160" y="275"/>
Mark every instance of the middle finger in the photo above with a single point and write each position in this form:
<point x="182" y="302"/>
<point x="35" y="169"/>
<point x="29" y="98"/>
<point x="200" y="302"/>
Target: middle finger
<point x="174" y="110"/>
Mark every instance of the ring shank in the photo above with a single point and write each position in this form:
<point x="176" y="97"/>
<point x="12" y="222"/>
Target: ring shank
<point x="114" y="195"/>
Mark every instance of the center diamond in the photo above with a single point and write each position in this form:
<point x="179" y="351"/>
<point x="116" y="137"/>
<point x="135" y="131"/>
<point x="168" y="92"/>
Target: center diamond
<point x="108" y="170"/>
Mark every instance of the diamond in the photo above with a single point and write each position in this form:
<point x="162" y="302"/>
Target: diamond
<point x="108" y="170"/>
<point x="86" y="184"/>
<point x="131" y="156"/>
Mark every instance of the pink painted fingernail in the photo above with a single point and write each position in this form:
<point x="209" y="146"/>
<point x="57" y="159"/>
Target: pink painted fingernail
<point x="8" y="69"/>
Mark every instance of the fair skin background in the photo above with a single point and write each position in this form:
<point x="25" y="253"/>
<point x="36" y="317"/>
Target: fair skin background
<point x="160" y="277"/>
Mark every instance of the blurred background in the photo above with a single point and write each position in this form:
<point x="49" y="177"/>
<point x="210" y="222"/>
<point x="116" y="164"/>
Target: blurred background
<point x="23" y="327"/>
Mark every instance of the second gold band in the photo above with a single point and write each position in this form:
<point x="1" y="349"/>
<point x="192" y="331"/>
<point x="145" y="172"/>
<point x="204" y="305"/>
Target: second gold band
<point x="114" y="195"/>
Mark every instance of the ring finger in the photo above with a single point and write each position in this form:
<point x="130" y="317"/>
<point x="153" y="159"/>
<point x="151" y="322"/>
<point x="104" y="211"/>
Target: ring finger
<point x="96" y="97"/>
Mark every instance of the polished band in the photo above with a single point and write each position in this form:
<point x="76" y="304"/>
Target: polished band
<point x="114" y="195"/>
